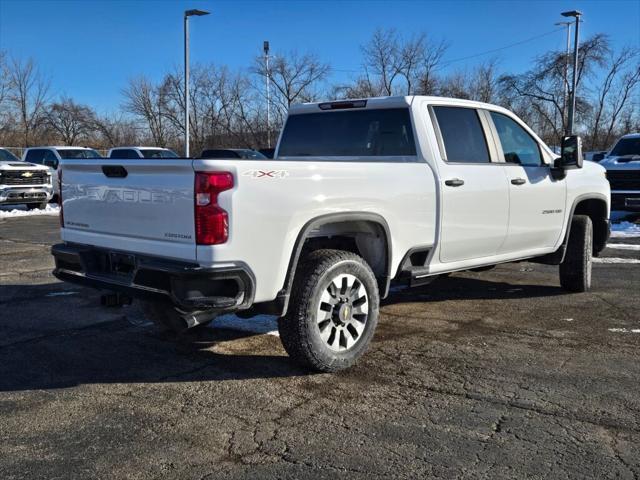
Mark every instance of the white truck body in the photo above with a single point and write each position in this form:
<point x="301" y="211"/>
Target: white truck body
<point x="406" y="213"/>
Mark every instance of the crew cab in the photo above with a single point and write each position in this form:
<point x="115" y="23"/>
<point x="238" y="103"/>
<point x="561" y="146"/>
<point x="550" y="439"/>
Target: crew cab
<point x="141" y="152"/>
<point x="23" y="183"/>
<point x="360" y="193"/>
<point x="50" y="157"/>
<point x="623" y="171"/>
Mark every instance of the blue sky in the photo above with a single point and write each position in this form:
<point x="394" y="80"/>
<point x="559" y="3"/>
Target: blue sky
<point x="90" y="48"/>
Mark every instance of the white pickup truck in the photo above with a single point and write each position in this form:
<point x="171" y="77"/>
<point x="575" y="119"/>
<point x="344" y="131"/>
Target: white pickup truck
<point x="360" y="193"/>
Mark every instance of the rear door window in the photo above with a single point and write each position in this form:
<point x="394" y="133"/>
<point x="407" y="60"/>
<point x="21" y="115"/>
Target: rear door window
<point x="462" y="135"/>
<point x="357" y="133"/>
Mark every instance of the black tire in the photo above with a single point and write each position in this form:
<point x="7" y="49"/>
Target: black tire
<point x="575" y="269"/>
<point x="300" y="331"/>
<point x="39" y="206"/>
<point x="167" y="318"/>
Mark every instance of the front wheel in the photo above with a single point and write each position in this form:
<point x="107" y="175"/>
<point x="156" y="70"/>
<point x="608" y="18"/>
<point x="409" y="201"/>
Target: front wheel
<point x="575" y="269"/>
<point x="333" y="311"/>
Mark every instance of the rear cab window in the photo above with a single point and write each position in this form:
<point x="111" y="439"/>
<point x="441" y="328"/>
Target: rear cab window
<point x="373" y="133"/>
<point x="123" y="153"/>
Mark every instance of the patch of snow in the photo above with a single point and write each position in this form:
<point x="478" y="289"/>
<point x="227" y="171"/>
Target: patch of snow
<point x="623" y="246"/>
<point x="625" y="230"/>
<point x="10" y="211"/>
<point x="60" y="294"/>
<point x="624" y="330"/>
<point x="568" y="319"/>
<point x="261" y="324"/>
<point x="615" y="260"/>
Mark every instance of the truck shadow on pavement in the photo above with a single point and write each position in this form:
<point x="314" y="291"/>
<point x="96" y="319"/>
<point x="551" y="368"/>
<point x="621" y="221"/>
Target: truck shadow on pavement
<point x="50" y="340"/>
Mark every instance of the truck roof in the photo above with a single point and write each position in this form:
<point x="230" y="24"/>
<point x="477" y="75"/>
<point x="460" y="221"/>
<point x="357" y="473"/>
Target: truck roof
<point x="391" y="102"/>
<point x="61" y="147"/>
<point x="140" y="148"/>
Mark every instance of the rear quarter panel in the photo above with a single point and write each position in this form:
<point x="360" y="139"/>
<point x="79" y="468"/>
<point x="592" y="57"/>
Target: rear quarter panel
<point x="272" y="201"/>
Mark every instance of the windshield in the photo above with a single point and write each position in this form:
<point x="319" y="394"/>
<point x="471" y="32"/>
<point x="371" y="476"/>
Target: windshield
<point x="7" y="156"/>
<point x="77" y="153"/>
<point x="148" y="153"/>
<point x="626" y="146"/>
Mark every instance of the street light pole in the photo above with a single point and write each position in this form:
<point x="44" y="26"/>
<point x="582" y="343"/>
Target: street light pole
<point x="187" y="14"/>
<point x="266" y="61"/>
<point x="566" y="72"/>
<point x="572" y="105"/>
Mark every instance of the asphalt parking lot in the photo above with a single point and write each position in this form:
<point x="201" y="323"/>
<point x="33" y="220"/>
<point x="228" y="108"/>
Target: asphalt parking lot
<point x="479" y="375"/>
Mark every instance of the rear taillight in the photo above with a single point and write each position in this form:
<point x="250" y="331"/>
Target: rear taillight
<point x="60" y="197"/>
<point x="212" y="222"/>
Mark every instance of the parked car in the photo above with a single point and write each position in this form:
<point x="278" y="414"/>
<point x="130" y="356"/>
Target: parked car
<point x="243" y="153"/>
<point x="141" y="152"/>
<point x="50" y="157"/>
<point x="23" y="183"/>
<point x="267" y="152"/>
<point x="363" y="192"/>
<point x="623" y="171"/>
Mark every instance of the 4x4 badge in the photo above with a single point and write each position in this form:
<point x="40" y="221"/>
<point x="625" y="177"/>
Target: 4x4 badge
<point x="266" y="173"/>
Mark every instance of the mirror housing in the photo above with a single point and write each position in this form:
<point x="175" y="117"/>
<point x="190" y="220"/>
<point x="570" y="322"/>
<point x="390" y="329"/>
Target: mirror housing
<point x="50" y="163"/>
<point x="570" y="153"/>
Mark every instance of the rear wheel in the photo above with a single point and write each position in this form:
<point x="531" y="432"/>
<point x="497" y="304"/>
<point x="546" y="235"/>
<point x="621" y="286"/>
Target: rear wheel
<point x="333" y="311"/>
<point x="575" y="269"/>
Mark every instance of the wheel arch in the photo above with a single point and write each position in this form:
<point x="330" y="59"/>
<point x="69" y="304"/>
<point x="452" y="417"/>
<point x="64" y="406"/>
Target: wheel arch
<point x="325" y="230"/>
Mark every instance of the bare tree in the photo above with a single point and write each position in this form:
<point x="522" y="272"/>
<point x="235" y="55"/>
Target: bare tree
<point x="484" y="82"/>
<point x="148" y="102"/>
<point x="614" y="96"/>
<point x="71" y="121"/>
<point x="296" y="77"/>
<point x="28" y="96"/>
<point x="383" y="56"/>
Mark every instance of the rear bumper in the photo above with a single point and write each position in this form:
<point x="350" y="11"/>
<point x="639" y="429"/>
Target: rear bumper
<point x="625" y="201"/>
<point x="186" y="285"/>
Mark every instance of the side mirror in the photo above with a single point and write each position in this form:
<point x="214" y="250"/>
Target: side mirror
<point x="570" y="153"/>
<point x="51" y="163"/>
<point x="598" y="157"/>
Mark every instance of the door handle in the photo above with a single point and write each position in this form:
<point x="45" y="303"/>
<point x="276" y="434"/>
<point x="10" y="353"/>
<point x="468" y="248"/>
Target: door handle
<point x="454" y="182"/>
<point x="518" y="181"/>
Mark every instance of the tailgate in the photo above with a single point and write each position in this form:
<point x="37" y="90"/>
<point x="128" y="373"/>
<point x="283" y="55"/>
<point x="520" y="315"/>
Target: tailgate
<point x="141" y="206"/>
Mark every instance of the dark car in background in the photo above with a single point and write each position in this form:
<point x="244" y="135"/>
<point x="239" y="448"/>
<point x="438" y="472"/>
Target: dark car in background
<point x="240" y="153"/>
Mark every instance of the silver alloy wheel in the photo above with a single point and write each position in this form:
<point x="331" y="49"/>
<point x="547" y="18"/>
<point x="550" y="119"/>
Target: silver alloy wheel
<point x="342" y="312"/>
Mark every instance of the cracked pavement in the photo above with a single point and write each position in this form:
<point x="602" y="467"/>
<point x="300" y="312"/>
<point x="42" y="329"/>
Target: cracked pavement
<point x="497" y="374"/>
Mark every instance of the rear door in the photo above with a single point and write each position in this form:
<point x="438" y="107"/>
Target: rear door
<point x="142" y="206"/>
<point x="475" y="192"/>
<point x="536" y="199"/>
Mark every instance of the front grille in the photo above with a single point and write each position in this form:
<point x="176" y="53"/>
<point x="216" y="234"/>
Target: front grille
<point x="622" y="201"/>
<point x="624" y="179"/>
<point x="23" y="177"/>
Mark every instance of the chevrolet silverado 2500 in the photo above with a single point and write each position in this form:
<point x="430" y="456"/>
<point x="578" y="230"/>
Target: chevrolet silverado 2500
<point x="23" y="182"/>
<point x="360" y="193"/>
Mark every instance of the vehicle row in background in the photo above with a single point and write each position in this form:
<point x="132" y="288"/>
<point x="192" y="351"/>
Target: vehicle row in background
<point x="23" y="183"/>
<point x="141" y="152"/>
<point x="50" y="157"/>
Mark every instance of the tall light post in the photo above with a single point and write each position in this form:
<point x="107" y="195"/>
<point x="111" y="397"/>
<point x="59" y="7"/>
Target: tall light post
<point x="566" y="71"/>
<point x="187" y="14"/>
<point x="572" y="105"/>
<point x="268" y="77"/>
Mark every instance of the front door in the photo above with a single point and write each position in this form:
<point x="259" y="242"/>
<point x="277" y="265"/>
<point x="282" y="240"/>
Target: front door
<point x="536" y="199"/>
